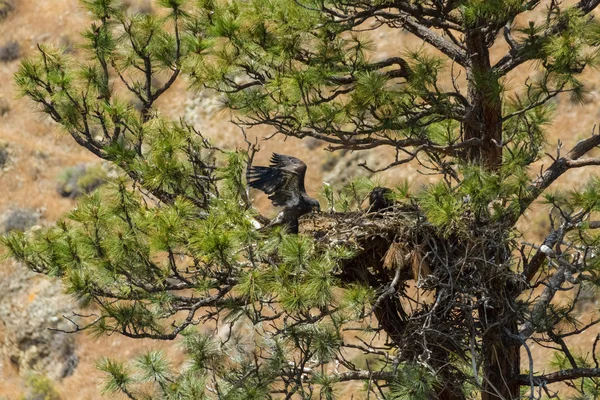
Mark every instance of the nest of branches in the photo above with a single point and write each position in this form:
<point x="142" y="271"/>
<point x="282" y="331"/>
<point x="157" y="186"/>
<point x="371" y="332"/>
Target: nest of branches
<point x="435" y="292"/>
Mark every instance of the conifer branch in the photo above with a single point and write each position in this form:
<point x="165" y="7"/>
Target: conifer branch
<point x="520" y="53"/>
<point x="552" y="286"/>
<point x="439" y="42"/>
<point x="560" y="376"/>
<point x="557" y="169"/>
<point x="364" y="375"/>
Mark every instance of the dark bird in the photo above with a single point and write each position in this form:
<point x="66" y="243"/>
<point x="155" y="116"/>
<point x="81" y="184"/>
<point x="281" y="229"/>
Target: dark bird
<point x="283" y="182"/>
<point x="379" y="199"/>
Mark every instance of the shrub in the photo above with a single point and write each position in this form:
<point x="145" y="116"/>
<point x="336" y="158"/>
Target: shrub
<point x="10" y="51"/>
<point x="6" y="6"/>
<point x="81" y="179"/>
<point x="40" y="387"/>
<point x="143" y="7"/>
<point x="4" y="106"/>
<point x="4" y="154"/>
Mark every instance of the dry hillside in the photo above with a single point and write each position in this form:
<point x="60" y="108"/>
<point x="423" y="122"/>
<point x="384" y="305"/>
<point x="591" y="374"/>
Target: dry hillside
<point x="37" y="153"/>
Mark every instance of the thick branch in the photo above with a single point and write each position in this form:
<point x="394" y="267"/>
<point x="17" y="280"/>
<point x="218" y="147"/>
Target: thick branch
<point x="558" y="167"/>
<point x="538" y="258"/>
<point x="365" y="375"/>
<point x="520" y="54"/>
<point x="438" y="41"/>
<point x="560" y="376"/>
<point x="539" y="308"/>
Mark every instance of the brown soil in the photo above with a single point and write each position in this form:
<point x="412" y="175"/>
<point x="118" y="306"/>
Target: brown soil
<point x="40" y="151"/>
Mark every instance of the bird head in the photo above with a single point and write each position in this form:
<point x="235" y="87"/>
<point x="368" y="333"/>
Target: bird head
<point x="315" y="205"/>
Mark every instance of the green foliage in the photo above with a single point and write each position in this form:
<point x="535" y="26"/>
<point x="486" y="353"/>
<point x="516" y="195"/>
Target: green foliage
<point x="40" y="387"/>
<point x="589" y="387"/>
<point x="443" y="208"/>
<point x="350" y="197"/>
<point x="585" y="198"/>
<point x="118" y="376"/>
<point x="414" y="383"/>
<point x="203" y="350"/>
<point x="170" y="244"/>
<point x="478" y="12"/>
<point x="357" y="300"/>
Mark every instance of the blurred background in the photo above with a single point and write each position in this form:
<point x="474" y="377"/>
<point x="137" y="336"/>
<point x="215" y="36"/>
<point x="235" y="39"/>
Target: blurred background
<point x="43" y="172"/>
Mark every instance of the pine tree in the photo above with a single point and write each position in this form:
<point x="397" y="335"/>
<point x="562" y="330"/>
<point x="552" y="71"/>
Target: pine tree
<point x="170" y="246"/>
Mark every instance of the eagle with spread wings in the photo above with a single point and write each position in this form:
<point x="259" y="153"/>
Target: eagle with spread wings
<point x="283" y="182"/>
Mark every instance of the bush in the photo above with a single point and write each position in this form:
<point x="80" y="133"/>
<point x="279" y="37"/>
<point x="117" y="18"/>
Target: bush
<point x="6" y="6"/>
<point x="4" y="154"/>
<point x="4" y="106"/>
<point x="10" y="51"/>
<point x="40" y="387"/>
<point x="20" y="219"/>
<point x="81" y="179"/>
<point x="143" y="7"/>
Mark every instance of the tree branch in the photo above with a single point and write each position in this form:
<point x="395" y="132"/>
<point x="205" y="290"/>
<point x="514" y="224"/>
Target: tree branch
<point x="365" y="375"/>
<point x="540" y="306"/>
<point x="558" y="167"/>
<point x="560" y="376"/>
<point x="438" y="41"/>
<point x="520" y="54"/>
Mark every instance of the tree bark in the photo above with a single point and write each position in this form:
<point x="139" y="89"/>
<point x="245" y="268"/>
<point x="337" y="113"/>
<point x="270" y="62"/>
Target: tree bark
<point x="500" y="350"/>
<point x="450" y="384"/>
<point x="484" y="118"/>
<point x="501" y="355"/>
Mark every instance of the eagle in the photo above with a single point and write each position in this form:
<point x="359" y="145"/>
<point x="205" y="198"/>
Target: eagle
<point x="283" y="182"/>
<point x="379" y="199"/>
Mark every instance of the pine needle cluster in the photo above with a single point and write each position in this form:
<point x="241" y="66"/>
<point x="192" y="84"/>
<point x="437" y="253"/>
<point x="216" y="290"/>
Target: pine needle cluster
<point x="433" y="297"/>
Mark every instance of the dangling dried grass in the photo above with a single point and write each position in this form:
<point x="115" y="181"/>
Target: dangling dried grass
<point x="420" y="267"/>
<point x="396" y="256"/>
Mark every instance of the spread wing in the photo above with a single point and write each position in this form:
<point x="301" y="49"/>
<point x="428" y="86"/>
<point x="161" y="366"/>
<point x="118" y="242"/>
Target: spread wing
<point x="282" y="181"/>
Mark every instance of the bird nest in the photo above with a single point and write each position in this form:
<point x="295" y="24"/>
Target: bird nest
<point x="383" y="241"/>
<point x="354" y="228"/>
<point x="399" y="253"/>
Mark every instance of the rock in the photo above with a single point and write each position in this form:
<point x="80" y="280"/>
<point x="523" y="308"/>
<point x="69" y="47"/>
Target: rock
<point x="19" y="219"/>
<point x="30" y="307"/>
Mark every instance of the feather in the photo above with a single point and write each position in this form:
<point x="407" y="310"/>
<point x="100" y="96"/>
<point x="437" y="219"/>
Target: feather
<point x="283" y="182"/>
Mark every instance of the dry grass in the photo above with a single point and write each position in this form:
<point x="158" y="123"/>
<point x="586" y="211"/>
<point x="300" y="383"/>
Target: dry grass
<point x="39" y="151"/>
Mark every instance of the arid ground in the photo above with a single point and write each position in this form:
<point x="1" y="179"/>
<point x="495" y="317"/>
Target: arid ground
<point x="38" y="152"/>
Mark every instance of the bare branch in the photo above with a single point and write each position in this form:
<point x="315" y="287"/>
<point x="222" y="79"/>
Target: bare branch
<point x="365" y="375"/>
<point x="560" y="376"/>
<point x="540" y="306"/>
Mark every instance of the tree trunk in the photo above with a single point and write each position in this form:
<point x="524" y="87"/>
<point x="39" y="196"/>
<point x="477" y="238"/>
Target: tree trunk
<point x="501" y="355"/>
<point x="500" y="351"/>
<point x="450" y="383"/>
<point x="484" y="118"/>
